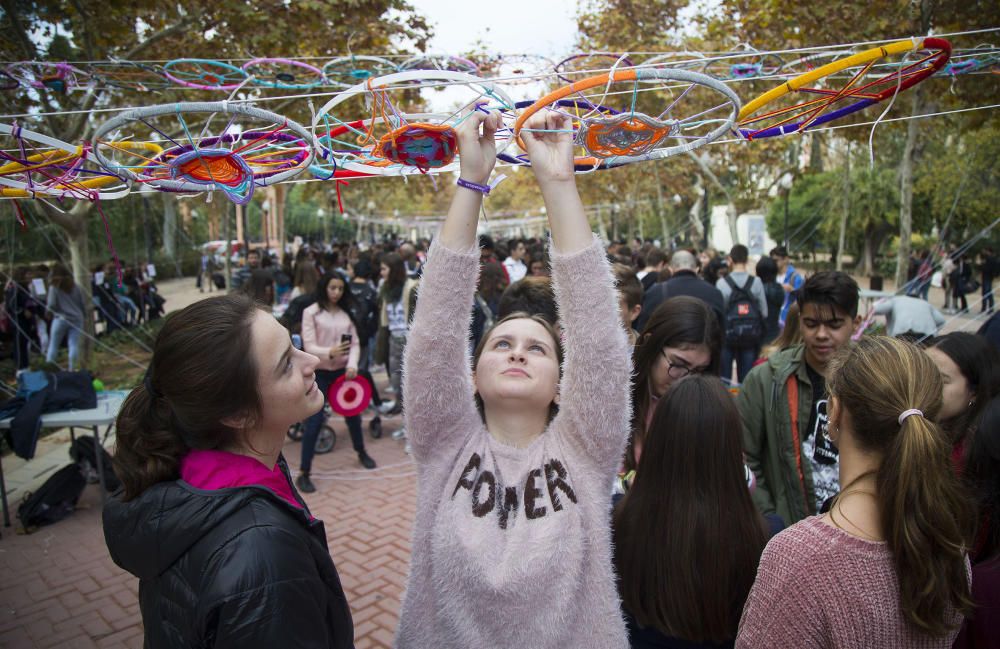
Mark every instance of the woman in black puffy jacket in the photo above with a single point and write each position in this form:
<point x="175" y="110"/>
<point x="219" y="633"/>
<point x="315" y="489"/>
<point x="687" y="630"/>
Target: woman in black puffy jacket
<point x="226" y="551"/>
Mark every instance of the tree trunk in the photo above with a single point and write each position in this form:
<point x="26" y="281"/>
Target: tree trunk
<point x="906" y="193"/>
<point x="842" y="236"/>
<point x="731" y="214"/>
<point x="226" y="234"/>
<point x="868" y="255"/>
<point x="170" y="231"/>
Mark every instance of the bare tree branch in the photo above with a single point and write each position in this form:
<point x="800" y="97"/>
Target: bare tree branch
<point x="179" y="26"/>
<point x="88" y="41"/>
<point x="21" y="34"/>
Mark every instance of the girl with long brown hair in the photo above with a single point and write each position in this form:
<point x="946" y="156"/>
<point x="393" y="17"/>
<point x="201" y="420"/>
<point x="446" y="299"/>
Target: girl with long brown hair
<point x="887" y="565"/>
<point x="687" y="536"/>
<point x="226" y="551"/>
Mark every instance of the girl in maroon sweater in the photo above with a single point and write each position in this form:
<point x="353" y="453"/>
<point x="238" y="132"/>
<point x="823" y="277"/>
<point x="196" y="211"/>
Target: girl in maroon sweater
<point x="887" y="565"/>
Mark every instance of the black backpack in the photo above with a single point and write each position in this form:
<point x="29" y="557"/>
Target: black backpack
<point x="744" y="324"/>
<point x="82" y="452"/>
<point x="55" y="499"/>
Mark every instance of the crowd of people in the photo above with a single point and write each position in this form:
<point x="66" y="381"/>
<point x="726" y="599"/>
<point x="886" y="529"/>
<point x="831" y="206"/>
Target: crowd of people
<point x="586" y="478"/>
<point x="44" y="308"/>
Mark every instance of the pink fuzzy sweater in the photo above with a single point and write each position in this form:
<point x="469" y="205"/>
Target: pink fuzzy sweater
<point x="512" y="546"/>
<point x="819" y="587"/>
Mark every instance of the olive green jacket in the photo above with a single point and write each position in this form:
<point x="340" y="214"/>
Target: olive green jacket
<point x="773" y="446"/>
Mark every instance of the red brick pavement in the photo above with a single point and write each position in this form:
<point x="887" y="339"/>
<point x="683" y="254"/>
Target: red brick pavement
<point x="60" y="588"/>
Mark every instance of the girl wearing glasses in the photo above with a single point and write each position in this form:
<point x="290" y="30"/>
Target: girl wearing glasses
<point x="682" y="337"/>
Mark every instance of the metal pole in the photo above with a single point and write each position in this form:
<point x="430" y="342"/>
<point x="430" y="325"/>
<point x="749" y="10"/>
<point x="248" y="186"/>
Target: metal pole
<point x="787" y="192"/>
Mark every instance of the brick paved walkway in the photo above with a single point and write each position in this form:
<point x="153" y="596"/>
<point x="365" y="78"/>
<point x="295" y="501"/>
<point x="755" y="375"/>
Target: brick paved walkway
<point x="60" y="588"/>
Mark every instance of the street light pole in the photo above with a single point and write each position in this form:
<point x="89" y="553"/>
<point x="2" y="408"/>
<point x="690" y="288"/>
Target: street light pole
<point x="787" y="192"/>
<point x="786" y="184"/>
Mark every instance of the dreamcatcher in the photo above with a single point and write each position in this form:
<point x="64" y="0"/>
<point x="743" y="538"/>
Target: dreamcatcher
<point x="127" y="75"/>
<point x="825" y="104"/>
<point x="347" y="71"/>
<point x="255" y="148"/>
<point x="57" y="77"/>
<point x="205" y="74"/>
<point x="572" y="68"/>
<point x="283" y="73"/>
<point x="440" y="62"/>
<point x="516" y="69"/>
<point x="389" y="141"/>
<point x="614" y="130"/>
<point x="34" y="165"/>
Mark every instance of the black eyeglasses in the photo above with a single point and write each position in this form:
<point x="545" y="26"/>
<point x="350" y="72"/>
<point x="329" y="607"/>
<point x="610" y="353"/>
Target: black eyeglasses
<point x="678" y="371"/>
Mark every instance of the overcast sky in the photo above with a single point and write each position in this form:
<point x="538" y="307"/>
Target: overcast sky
<point x="546" y="27"/>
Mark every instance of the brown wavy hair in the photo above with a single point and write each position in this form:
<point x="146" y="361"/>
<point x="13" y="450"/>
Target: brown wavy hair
<point x="927" y="517"/>
<point x="687" y="536"/>
<point x="202" y="372"/>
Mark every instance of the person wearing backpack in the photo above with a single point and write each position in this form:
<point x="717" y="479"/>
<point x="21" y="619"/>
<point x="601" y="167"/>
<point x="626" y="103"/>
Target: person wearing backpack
<point x="745" y="315"/>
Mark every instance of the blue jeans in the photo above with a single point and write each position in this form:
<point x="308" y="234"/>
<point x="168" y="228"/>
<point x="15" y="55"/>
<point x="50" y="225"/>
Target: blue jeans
<point x="60" y="329"/>
<point x="744" y="357"/>
<point x="324" y="378"/>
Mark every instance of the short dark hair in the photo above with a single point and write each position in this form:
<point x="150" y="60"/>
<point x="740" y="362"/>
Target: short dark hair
<point x="739" y="254"/>
<point x="655" y="257"/>
<point x="767" y="270"/>
<point x="831" y="288"/>
<point x="531" y="295"/>
<point x="486" y="241"/>
<point x="779" y="251"/>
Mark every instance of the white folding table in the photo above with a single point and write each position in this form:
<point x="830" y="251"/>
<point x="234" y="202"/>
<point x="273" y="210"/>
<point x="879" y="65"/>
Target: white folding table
<point x="108" y="404"/>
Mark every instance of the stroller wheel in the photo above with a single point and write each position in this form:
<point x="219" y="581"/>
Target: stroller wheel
<point x="327" y="439"/>
<point x="295" y="432"/>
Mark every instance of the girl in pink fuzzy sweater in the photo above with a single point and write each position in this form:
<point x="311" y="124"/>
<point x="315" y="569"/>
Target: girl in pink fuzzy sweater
<point x="516" y="450"/>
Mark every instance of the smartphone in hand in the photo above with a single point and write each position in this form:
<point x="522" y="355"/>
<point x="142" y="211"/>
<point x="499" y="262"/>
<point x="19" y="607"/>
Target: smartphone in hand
<point x="345" y="338"/>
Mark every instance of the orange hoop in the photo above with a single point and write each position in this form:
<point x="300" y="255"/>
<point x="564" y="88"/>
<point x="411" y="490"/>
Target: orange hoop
<point x="562" y="93"/>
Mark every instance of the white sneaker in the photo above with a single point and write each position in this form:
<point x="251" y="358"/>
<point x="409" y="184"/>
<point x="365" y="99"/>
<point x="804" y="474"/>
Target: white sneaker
<point x="386" y="407"/>
<point x="408" y="449"/>
<point x="399" y="434"/>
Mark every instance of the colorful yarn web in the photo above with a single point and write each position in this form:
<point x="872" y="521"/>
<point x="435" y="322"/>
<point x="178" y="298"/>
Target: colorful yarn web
<point x="424" y="146"/>
<point x="625" y="134"/>
<point x="220" y="167"/>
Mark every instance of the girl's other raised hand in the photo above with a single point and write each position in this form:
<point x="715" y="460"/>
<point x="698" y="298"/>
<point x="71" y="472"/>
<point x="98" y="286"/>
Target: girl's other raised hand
<point x="548" y="137"/>
<point x="477" y="148"/>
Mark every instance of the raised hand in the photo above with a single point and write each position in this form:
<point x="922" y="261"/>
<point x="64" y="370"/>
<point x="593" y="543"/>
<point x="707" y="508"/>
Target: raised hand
<point x="477" y="152"/>
<point x="551" y="153"/>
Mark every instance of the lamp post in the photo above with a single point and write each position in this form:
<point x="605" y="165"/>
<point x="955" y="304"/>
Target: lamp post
<point x="786" y="185"/>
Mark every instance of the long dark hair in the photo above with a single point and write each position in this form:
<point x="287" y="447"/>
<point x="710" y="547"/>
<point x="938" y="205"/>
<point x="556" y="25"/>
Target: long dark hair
<point x="926" y="516"/>
<point x="979" y="363"/>
<point x="677" y="322"/>
<point x="392" y="289"/>
<point x="62" y="278"/>
<point x="687" y="536"/>
<point x="982" y="473"/>
<point x="346" y="302"/>
<point x="202" y="372"/>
